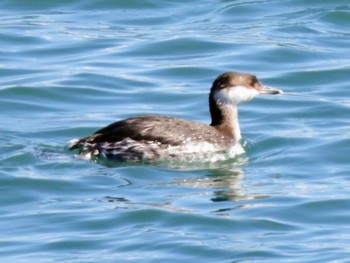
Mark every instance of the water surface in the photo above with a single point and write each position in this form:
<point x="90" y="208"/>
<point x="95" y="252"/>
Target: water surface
<point x="70" y="67"/>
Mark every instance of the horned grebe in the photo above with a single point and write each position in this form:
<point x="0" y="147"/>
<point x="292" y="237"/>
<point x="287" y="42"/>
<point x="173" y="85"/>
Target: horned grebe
<point x="153" y="137"/>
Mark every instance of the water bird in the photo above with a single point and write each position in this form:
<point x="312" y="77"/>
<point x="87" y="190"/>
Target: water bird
<point x="155" y="137"/>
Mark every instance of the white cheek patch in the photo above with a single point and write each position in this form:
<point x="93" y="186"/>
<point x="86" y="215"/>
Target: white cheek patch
<point x="235" y="95"/>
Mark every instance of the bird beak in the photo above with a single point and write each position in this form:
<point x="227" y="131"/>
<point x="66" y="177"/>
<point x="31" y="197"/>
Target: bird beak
<point x="268" y="90"/>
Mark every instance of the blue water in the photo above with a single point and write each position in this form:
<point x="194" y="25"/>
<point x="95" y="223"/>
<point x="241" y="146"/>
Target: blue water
<point x="68" y="68"/>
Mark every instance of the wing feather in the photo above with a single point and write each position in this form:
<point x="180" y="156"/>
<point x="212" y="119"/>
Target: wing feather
<point x="166" y="130"/>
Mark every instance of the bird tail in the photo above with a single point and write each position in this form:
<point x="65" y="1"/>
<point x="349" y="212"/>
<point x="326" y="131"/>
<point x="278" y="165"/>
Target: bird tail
<point x="74" y="144"/>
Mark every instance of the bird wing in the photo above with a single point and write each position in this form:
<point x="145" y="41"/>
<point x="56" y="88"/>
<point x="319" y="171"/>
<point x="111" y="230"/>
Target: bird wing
<point x="166" y="130"/>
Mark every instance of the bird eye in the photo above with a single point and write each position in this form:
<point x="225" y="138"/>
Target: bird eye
<point x="250" y="85"/>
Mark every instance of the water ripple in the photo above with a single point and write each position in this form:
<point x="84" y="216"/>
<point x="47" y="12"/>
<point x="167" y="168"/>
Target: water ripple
<point x="70" y="67"/>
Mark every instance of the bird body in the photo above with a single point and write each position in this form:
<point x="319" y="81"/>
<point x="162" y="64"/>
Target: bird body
<point x="154" y="137"/>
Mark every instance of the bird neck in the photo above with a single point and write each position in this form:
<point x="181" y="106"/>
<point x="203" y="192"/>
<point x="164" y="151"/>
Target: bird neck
<point x="224" y="117"/>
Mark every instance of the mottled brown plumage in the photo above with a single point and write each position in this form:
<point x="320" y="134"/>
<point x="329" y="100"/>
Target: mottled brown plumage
<point x="160" y="137"/>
